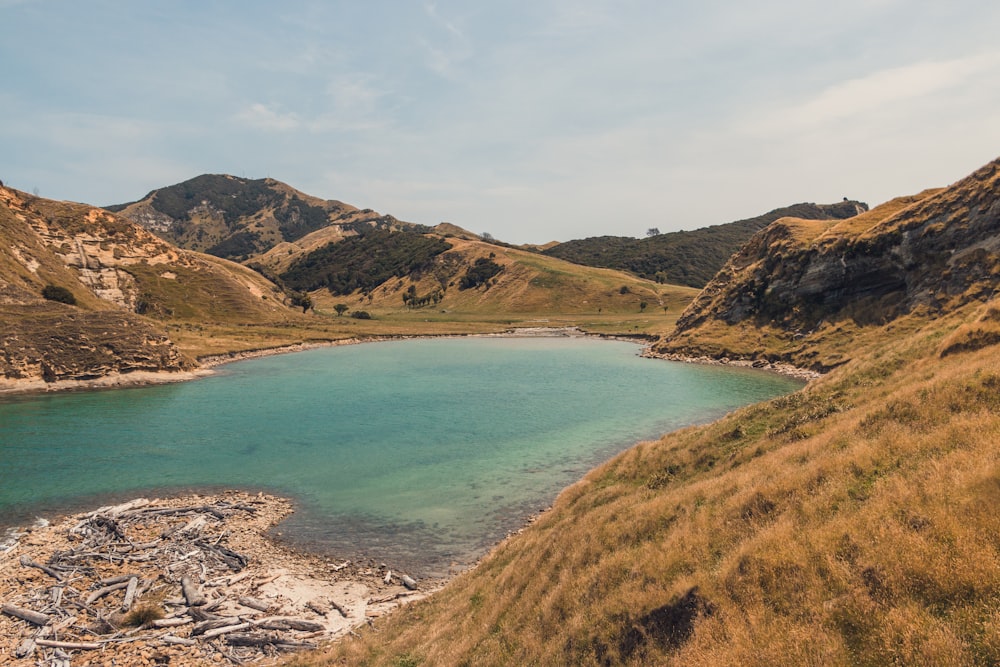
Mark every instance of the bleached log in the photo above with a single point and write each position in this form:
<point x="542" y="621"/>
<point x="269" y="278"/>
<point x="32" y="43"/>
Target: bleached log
<point x="191" y="594"/>
<point x="339" y="607"/>
<point x="107" y="581"/>
<point x="218" y="632"/>
<point x="261" y="641"/>
<point x="130" y="589"/>
<point x="285" y="623"/>
<point x="31" y="616"/>
<point x="388" y="577"/>
<point x="80" y="646"/>
<point x="254" y="603"/>
<point x="202" y="627"/>
<point x="27" y="562"/>
<point x="101" y="592"/>
<point x="409" y="582"/>
<point x="180" y="641"/>
<point x="171" y="622"/>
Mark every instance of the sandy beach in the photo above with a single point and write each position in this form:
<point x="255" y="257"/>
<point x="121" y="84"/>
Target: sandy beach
<point x="114" y="586"/>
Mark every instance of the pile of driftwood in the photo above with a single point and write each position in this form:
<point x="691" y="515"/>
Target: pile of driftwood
<point x="160" y="576"/>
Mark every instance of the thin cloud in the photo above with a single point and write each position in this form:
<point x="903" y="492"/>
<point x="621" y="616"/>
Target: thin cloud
<point x="893" y="87"/>
<point x="263" y="117"/>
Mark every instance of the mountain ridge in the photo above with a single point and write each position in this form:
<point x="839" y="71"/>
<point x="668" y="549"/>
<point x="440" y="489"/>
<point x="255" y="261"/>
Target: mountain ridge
<point x="689" y="258"/>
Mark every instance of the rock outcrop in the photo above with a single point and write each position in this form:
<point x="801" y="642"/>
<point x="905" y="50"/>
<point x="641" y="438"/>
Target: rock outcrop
<point x="923" y="254"/>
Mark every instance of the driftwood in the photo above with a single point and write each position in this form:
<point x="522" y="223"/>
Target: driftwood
<point x="191" y="594"/>
<point x="82" y="646"/>
<point x="204" y="626"/>
<point x="181" y="641"/>
<point x="218" y="632"/>
<point x="192" y="555"/>
<point x="254" y="603"/>
<point x="28" y="615"/>
<point x="261" y="641"/>
<point x="282" y="623"/>
<point x="408" y="582"/>
<point x="130" y="591"/>
<point x="27" y="562"/>
<point x="101" y="592"/>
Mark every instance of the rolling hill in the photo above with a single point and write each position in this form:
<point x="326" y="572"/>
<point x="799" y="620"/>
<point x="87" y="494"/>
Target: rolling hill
<point x="239" y="218"/>
<point x="851" y="523"/>
<point x="688" y="258"/>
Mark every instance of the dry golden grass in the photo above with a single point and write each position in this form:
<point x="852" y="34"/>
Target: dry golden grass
<point x="852" y="523"/>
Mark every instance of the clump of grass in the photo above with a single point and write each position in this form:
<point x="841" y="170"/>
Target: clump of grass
<point x="142" y="615"/>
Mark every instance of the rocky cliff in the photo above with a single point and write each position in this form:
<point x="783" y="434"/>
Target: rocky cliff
<point x="798" y="279"/>
<point x="75" y="281"/>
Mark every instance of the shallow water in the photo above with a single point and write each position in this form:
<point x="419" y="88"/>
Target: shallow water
<point x="419" y="452"/>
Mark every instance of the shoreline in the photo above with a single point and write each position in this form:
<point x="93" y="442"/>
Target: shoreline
<point x="281" y="597"/>
<point x="34" y="386"/>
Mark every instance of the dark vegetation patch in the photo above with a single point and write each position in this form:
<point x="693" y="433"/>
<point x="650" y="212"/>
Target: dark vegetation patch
<point x="58" y="293"/>
<point x="479" y="273"/>
<point x="364" y="262"/>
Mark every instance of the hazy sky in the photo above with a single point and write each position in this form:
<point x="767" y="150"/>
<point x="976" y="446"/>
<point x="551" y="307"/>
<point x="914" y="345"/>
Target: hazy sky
<point x="532" y="120"/>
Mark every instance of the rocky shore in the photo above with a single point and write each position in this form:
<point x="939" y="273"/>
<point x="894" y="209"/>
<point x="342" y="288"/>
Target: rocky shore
<point x="781" y="368"/>
<point x="186" y="582"/>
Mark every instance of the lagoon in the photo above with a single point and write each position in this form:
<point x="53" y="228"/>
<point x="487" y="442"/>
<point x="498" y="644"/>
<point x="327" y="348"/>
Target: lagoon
<point x="421" y="453"/>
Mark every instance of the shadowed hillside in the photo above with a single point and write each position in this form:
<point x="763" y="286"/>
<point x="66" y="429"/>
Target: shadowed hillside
<point x="851" y="523"/>
<point x="688" y="258"/>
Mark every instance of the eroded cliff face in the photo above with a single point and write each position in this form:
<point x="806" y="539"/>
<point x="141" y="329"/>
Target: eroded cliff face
<point x="924" y="255"/>
<point x="83" y="250"/>
<point x="58" y="344"/>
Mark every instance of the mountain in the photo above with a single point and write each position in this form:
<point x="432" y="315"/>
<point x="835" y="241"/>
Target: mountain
<point x="851" y="523"/>
<point x="688" y="258"/>
<point x="84" y="293"/>
<point x="238" y="218"/>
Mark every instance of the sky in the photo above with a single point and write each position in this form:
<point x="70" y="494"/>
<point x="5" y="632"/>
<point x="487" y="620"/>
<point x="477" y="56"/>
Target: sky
<point x="530" y="120"/>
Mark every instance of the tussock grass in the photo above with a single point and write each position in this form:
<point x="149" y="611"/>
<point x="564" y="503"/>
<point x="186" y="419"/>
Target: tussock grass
<point x="851" y="523"/>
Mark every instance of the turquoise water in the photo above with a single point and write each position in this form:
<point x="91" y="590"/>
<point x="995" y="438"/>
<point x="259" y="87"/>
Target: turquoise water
<point x="421" y="453"/>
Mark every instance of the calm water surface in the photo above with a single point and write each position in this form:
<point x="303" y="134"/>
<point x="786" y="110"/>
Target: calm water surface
<point x="420" y="452"/>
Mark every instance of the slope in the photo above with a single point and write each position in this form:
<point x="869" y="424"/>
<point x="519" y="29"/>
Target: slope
<point x="805" y="291"/>
<point x="430" y="276"/>
<point x="851" y="523"/>
<point x="111" y="281"/>
<point x="238" y="218"/>
<point x="688" y="258"/>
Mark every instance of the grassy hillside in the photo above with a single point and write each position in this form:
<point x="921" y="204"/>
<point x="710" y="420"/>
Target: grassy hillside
<point x="687" y="258"/>
<point x="851" y="523"/>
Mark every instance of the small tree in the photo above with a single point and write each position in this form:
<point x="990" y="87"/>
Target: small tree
<point x="341" y="308"/>
<point x="642" y="306"/>
<point x="652" y="231"/>
<point x="302" y="299"/>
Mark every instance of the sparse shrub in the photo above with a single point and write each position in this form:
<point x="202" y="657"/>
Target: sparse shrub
<point x="142" y="616"/>
<point x="58" y="293"/>
<point x="361" y="315"/>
